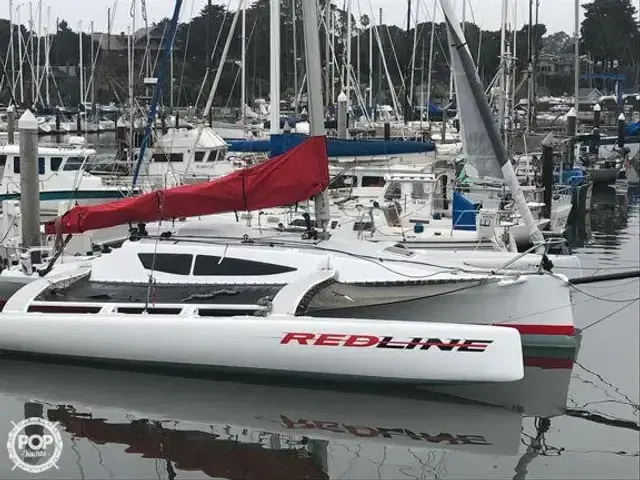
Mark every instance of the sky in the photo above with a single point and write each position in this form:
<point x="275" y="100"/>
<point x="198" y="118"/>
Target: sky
<point x="556" y="14"/>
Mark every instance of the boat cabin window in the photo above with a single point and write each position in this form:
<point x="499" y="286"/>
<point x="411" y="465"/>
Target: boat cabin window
<point x="393" y="191"/>
<point x="210" y="265"/>
<point x="301" y="222"/>
<point x="418" y="190"/>
<point x="175" y="263"/>
<point x="373" y="181"/>
<point x="199" y="157"/>
<point x="362" y="226"/>
<point x="55" y="163"/>
<point x="73" y="163"/>
<point x="3" y="160"/>
<point x="344" y="181"/>
<point x="167" y="157"/>
<point x="16" y="165"/>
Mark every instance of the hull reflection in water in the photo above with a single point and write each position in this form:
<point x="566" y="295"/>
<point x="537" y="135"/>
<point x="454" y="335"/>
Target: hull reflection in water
<point x="226" y="429"/>
<point x="318" y="413"/>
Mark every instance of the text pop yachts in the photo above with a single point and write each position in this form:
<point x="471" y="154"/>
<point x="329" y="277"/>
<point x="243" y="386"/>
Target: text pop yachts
<point x="375" y="341"/>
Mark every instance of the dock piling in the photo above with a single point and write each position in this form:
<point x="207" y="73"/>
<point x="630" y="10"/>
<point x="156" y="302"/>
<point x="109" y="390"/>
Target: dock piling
<point x="29" y="181"/>
<point x="343" y="105"/>
<point x="11" y="124"/>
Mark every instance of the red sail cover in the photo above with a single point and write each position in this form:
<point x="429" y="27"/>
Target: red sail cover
<point x="296" y="175"/>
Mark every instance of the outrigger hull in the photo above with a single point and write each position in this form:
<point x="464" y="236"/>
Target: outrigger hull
<point x="364" y="349"/>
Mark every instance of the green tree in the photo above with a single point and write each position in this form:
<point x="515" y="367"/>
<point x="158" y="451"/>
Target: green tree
<point x="610" y="34"/>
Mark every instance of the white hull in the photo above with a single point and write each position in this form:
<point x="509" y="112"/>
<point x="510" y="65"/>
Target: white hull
<point x="519" y="306"/>
<point x="270" y="344"/>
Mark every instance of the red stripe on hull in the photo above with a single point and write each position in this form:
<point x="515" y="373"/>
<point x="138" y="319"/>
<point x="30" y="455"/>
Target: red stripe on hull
<point x="549" y="363"/>
<point x="526" y="329"/>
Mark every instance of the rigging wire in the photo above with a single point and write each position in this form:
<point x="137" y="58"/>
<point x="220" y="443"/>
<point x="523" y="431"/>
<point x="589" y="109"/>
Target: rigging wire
<point x="602" y="319"/>
<point x="597" y="297"/>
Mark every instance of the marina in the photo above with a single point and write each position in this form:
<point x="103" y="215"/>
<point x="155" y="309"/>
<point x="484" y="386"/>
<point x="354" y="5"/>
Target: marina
<point x="381" y="276"/>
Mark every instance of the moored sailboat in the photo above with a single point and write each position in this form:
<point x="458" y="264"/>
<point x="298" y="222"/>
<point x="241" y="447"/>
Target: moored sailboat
<point x="314" y="306"/>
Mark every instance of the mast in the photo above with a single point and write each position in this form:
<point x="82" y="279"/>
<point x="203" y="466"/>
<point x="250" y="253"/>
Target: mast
<point x="81" y="77"/>
<point x="371" y="27"/>
<point x="37" y="61"/>
<point x="333" y="58"/>
<point x="530" y="70"/>
<point x="503" y="69"/>
<point x="47" y="61"/>
<point x="407" y="66"/>
<point x="433" y="31"/>
<point x="214" y="87"/>
<point x="347" y="69"/>
<point x="314" y="92"/>
<point x="413" y="55"/>
<point x="514" y="60"/>
<point x="131" y="67"/>
<point x="208" y="53"/>
<point x="275" y="66"/>
<point x="295" y="58"/>
<point x="108" y="32"/>
<point x="327" y="53"/>
<point x="381" y="62"/>
<point x="576" y="40"/>
<point x="535" y="70"/>
<point x="93" y="77"/>
<point x="171" y="86"/>
<point x="243" y="61"/>
<point x="20" y="59"/>
<point x="424" y="45"/>
<point x="357" y="75"/>
<point x="512" y="74"/>
<point x="499" y="148"/>
<point x="167" y="47"/>
<point x="32" y="55"/>
<point x="11" y="54"/>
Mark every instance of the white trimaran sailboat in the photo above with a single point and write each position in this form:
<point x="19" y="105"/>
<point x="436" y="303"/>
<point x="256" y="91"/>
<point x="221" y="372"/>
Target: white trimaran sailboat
<point x="372" y="311"/>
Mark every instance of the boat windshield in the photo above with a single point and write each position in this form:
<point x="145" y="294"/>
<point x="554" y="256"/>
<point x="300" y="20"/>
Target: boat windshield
<point x="73" y="163"/>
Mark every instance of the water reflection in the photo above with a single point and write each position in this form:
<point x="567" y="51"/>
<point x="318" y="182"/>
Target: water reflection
<point x="603" y="225"/>
<point x="244" y="430"/>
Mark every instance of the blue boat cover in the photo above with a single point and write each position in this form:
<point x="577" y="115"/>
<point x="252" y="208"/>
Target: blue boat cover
<point x="242" y="145"/>
<point x="632" y="129"/>
<point x="353" y="148"/>
<point x="464" y="213"/>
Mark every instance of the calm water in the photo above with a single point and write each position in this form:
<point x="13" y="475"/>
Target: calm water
<point x="565" y="420"/>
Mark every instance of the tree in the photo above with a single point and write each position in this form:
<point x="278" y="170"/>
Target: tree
<point x="557" y="44"/>
<point x="610" y="34"/>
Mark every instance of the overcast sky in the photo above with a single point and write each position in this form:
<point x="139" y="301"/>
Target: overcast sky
<point x="556" y="14"/>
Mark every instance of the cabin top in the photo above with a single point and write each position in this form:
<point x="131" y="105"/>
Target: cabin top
<point x="414" y="177"/>
<point x="375" y="169"/>
<point x="62" y="150"/>
<point x="178" y="262"/>
<point x="50" y="160"/>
